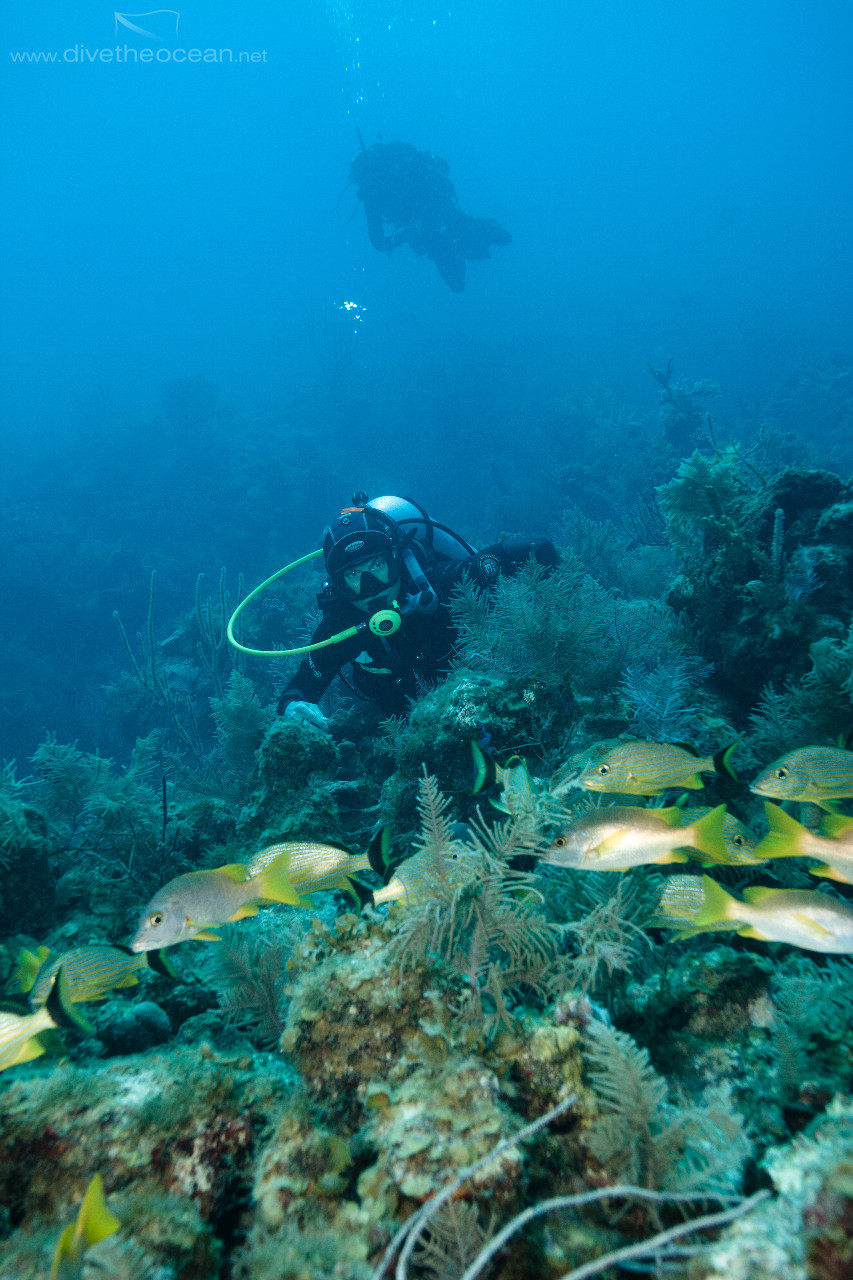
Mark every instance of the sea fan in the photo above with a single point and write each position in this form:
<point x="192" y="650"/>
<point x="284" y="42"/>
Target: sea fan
<point x="659" y="696"/>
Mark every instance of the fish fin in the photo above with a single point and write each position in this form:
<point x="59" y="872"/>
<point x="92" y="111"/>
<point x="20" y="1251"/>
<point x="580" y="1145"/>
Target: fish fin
<point x="360" y="892"/>
<point x="61" y="1008"/>
<point x="685" y="933"/>
<point x="205" y="935"/>
<point x="757" y="893"/>
<point x="64" y="1252"/>
<point x="274" y="884"/>
<point x="236" y="871"/>
<point x="379" y="852"/>
<point x="671" y="816"/>
<point x="828" y="873"/>
<point x="689" y="748"/>
<point x="836" y="824"/>
<point x="34" y="1048"/>
<point x="828" y="806"/>
<point x="718" y="904"/>
<point x="722" y="758"/>
<point x="786" y="836"/>
<point x="29" y="964"/>
<point x="243" y="913"/>
<point x="812" y="926"/>
<point x="675" y="855"/>
<point x="500" y="806"/>
<point x="485" y="769"/>
<point x="160" y="963"/>
<point x="693" y="782"/>
<point x="708" y="834"/>
<point x="94" y="1221"/>
<point x="750" y="931"/>
<point x="129" y="980"/>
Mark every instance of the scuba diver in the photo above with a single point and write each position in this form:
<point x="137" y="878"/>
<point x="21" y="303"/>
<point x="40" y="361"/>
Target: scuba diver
<point x="391" y="570"/>
<point x="411" y="191"/>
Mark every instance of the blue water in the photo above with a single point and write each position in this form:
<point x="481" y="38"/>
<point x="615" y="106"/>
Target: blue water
<point x="677" y="180"/>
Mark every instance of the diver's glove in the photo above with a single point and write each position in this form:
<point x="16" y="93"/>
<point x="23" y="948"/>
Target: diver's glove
<point x="307" y="713"/>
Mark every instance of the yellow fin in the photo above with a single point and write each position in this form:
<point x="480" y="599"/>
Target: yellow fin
<point x="94" y="1222"/>
<point x="718" y="904"/>
<point x="836" y="824"/>
<point x="672" y="816"/>
<point x="129" y="980"/>
<point x="234" y="871"/>
<point x="750" y="931"/>
<point x="708" y="834"/>
<point x="757" y="893"/>
<point x="786" y="836"/>
<point x="675" y="855"/>
<point x="206" y="936"/>
<point x="29" y="964"/>
<point x="829" y="873"/>
<point x="274" y="884"/>
<point x="242" y="913"/>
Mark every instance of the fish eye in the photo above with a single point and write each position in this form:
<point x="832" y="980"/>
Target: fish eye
<point x="603" y="770"/>
<point x="781" y="774"/>
<point x="559" y="842"/>
<point x="738" y="840"/>
<point x="156" y="919"/>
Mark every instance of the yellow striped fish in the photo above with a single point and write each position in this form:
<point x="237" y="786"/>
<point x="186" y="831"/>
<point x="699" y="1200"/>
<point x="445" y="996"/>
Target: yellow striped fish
<point x="94" y="1222"/>
<point x="417" y="877"/>
<point x="314" y="867"/>
<point x="24" y="1036"/>
<point x="788" y="838"/>
<point x="650" y="768"/>
<point x="90" y="971"/>
<point x="817" y="775"/>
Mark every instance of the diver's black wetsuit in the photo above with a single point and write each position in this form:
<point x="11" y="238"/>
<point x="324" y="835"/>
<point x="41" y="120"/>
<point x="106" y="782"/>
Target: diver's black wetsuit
<point x="390" y="670"/>
<point x="411" y="190"/>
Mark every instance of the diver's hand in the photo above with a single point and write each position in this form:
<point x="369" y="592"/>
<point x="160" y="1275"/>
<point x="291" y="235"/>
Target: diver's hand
<point x="307" y="713"/>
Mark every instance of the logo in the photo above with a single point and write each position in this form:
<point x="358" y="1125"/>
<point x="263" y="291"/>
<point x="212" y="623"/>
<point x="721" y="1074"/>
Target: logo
<point x="165" y="22"/>
<point x="353" y="546"/>
<point x="490" y="566"/>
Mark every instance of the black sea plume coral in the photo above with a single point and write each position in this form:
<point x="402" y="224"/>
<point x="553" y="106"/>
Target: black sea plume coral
<point x="480" y="921"/>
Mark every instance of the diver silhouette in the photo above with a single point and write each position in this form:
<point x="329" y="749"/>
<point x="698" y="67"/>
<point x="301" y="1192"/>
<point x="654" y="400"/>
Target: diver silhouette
<point x="410" y="191"/>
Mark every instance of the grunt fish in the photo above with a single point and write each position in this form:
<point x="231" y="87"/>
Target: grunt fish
<point x="90" y="972"/>
<point x="314" y="867"/>
<point x="192" y="905"/>
<point x="619" y="837"/>
<point x="650" y="768"/>
<point x="415" y="878"/>
<point x="801" y="917"/>
<point x="817" y="775"/>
